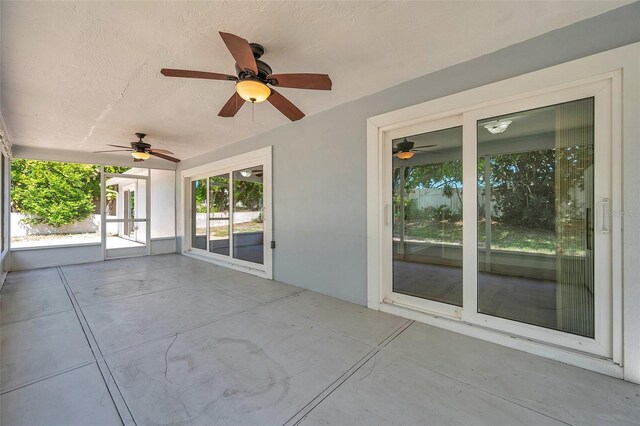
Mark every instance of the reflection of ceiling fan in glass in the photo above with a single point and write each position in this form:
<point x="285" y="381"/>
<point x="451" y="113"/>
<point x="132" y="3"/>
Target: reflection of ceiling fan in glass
<point x="249" y="172"/>
<point x="497" y="126"/>
<point x="405" y="149"/>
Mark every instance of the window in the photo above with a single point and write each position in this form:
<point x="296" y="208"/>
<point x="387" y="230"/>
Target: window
<point x="214" y="204"/>
<point x="229" y="216"/>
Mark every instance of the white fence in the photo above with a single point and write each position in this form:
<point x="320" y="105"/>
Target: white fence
<point x="88" y="226"/>
<point x="434" y="197"/>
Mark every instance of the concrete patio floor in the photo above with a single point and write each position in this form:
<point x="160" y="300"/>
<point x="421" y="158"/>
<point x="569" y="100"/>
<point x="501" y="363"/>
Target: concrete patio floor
<point x="173" y="340"/>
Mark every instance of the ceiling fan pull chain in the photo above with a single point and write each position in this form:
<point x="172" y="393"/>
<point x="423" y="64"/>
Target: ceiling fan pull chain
<point x="252" y="107"/>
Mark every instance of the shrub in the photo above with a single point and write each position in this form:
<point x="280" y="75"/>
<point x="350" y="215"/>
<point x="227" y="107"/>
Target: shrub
<point x="55" y="193"/>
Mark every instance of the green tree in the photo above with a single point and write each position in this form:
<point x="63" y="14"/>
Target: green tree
<point x="55" y="193"/>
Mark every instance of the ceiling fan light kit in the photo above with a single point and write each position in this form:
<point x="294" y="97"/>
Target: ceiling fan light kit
<point x="405" y="155"/>
<point x="254" y="78"/>
<point x="253" y="91"/>
<point x="140" y="155"/>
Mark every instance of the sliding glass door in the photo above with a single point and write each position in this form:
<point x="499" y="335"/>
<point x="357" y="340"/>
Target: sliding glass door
<point x="230" y="216"/>
<point x="500" y="217"/>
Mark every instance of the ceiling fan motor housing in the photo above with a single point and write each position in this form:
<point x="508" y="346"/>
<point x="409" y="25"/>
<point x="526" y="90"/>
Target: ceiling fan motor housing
<point x="405" y="145"/>
<point x="263" y="68"/>
<point x="140" y="146"/>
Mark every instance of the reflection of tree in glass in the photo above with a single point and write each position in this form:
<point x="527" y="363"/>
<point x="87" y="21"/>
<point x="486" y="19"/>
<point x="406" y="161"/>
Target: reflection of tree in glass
<point x="524" y="185"/>
<point x="247" y="195"/>
<point x="446" y="176"/>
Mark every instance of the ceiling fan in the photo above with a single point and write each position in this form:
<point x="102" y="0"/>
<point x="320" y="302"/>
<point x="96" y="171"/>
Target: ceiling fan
<point x="405" y="150"/>
<point x="141" y="150"/>
<point x="253" y="76"/>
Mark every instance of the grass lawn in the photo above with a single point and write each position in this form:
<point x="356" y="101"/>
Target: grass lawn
<point x="223" y="231"/>
<point x="503" y="237"/>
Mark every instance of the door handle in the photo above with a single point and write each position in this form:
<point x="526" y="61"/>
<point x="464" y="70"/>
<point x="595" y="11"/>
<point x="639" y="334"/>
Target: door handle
<point x="387" y="219"/>
<point x="588" y="228"/>
<point x="605" y="217"/>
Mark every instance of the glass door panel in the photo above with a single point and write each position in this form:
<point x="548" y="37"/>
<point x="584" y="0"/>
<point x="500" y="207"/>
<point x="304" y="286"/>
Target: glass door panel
<point x="248" y="215"/>
<point x="219" y="214"/>
<point x="536" y="217"/>
<point x="199" y="214"/>
<point x="427" y="215"/>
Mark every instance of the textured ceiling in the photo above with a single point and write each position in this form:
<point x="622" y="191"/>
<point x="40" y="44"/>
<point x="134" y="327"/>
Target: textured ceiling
<point x="79" y="75"/>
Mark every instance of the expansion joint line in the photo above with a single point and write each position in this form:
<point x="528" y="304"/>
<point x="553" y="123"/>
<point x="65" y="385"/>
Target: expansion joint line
<point x="300" y="415"/>
<point x="112" y="386"/>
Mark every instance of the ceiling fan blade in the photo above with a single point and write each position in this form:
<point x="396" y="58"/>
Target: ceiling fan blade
<point x="164" y="157"/>
<point x="169" y="72"/>
<point x="425" y="146"/>
<point x="119" y="146"/>
<point x="161" y="151"/>
<point x="137" y="160"/>
<point x="241" y="51"/>
<point x="285" y="106"/>
<point x="301" y="81"/>
<point x="232" y="106"/>
<point x="111" y="150"/>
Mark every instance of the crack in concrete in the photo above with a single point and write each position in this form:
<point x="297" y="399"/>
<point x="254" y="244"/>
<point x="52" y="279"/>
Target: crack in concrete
<point x="166" y="361"/>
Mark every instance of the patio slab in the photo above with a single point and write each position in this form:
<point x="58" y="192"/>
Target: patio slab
<point x="124" y="323"/>
<point x="257" y="367"/>
<point x="223" y="347"/>
<point x="36" y="302"/>
<point x="389" y="389"/>
<point x="78" y="397"/>
<point x="365" y="325"/>
<point x="40" y="347"/>
<point x="570" y="394"/>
